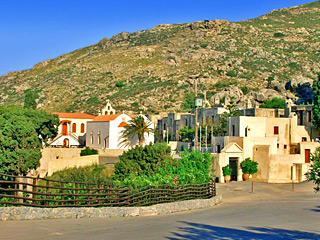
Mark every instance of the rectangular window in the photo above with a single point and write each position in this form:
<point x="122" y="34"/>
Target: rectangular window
<point x="277" y="145"/>
<point x="304" y="139"/>
<point x="233" y="130"/>
<point x="309" y="116"/>
<point x="276" y="130"/>
<point x="218" y="149"/>
<point x="74" y="127"/>
<point x="307" y="155"/>
<point x="285" y="146"/>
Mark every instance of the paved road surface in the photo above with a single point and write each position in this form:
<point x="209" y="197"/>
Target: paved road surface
<point x="273" y="211"/>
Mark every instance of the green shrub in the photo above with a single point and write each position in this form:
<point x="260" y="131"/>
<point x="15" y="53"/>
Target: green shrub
<point x="221" y="85"/>
<point x="245" y="90"/>
<point x="274" y="103"/>
<point x="188" y="102"/>
<point x="204" y="45"/>
<point x="227" y="171"/>
<point x="314" y="171"/>
<point x="140" y="160"/>
<point x="135" y="104"/>
<point x="89" y="174"/>
<point x="248" y="166"/>
<point x="119" y="84"/>
<point x="279" y="34"/>
<point x="88" y="151"/>
<point x="193" y="167"/>
<point x="231" y="73"/>
<point x="293" y="65"/>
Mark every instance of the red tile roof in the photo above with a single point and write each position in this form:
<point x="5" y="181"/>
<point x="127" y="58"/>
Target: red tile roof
<point x="123" y="124"/>
<point x="106" y="118"/>
<point x="74" y="115"/>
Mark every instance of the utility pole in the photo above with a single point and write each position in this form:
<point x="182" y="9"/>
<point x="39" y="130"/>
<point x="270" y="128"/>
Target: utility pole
<point x="196" y="113"/>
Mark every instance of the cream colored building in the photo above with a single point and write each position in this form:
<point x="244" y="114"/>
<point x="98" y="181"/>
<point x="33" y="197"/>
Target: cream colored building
<point x="280" y="146"/>
<point x="72" y="129"/>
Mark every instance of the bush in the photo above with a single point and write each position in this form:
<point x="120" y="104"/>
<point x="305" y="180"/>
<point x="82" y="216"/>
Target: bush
<point x="274" y="103"/>
<point x="231" y="73"/>
<point x="227" y="171"/>
<point x="119" y="84"/>
<point x="248" y="166"/>
<point x="193" y="167"/>
<point x="245" y="90"/>
<point x="279" y="34"/>
<point x="314" y="171"/>
<point x="188" y="101"/>
<point x="140" y="160"/>
<point x="88" y="151"/>
<point x="90" y="174"/>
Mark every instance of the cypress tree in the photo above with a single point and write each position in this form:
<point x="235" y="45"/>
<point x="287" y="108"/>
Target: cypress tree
<point x="316" y="103"/>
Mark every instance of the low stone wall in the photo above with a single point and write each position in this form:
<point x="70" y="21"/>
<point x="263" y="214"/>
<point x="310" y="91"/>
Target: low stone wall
<point x="33" y="213"/>
<point x="61" y="164"/>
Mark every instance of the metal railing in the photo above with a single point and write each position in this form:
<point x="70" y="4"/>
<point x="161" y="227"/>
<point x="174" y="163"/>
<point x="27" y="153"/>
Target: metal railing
<point x="40" y="192"/>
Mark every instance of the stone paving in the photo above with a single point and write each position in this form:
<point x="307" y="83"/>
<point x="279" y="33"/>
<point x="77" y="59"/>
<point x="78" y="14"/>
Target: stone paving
<point x="272" y="211"/>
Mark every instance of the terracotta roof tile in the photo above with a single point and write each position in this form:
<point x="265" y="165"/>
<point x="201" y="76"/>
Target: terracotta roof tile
<point x="74" y="115"/>
<point x="123" y="124"/>
<point x="106" y="118"/>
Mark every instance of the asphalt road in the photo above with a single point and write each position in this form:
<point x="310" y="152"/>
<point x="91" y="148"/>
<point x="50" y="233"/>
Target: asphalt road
<point x="272" y="211"/>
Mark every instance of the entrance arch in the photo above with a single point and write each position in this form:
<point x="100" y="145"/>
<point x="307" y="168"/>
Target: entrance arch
<point x="66" y="142"/>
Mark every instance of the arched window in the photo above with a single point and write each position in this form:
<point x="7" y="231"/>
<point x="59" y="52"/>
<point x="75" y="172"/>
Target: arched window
<point x="82" y="127"/>
<point x="74" y="127"/>
<point x="111" y="113"/>
<point x="99" y="137"/>
<point x="91" y="138"/>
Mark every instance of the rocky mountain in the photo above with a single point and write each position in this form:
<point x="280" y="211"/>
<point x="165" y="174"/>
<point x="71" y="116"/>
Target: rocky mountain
<point x="150" y="70"/>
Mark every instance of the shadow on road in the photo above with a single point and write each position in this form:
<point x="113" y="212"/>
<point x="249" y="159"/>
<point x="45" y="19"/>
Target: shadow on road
<point x="203" y="231"/>
<point x="316" y="210"/>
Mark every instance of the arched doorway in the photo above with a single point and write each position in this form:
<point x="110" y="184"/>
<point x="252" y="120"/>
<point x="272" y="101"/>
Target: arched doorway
<point x="66" y="143"/>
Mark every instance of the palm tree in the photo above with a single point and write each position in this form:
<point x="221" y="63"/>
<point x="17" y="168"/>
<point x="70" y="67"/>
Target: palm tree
<point x="136" y="127"/>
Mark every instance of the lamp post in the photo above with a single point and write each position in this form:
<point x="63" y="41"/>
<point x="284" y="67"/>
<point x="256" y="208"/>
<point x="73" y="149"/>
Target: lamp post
<point x="198" y="103"/>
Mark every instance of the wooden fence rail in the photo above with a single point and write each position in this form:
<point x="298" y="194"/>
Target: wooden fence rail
<point x="41" y="192"/>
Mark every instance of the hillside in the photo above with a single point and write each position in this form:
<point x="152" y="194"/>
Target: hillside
<point x="150" y="69"/>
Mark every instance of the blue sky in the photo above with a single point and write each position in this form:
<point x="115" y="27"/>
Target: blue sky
<point x="32" y="31"/>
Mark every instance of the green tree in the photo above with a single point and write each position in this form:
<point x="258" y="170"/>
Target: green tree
<point x="136" y="127"/>
<point x="274" y="103"/>
<point x="30" y="99"/>
<point x="22" y="133"/>
<point x="186" y="133"/>
<point x="140" y="160"/>
<point x="314" y="171"/>
<point x="316" y="103"/>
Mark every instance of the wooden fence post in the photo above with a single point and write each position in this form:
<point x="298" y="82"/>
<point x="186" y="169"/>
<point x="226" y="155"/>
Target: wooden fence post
<point x="62" y="192"/>
<point x="34" y="190"/>
<point x="76" y="194"/>
<point x="47" y="190"/>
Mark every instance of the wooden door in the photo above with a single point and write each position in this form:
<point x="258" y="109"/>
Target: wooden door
<point x="233" y="163"/>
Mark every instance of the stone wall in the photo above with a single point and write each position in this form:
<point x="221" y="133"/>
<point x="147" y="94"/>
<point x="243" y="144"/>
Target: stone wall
<point x="33" y="213"/>
<point x="61" y="164"/>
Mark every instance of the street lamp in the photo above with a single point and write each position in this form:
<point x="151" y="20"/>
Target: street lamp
<point x="197" y="103"/>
